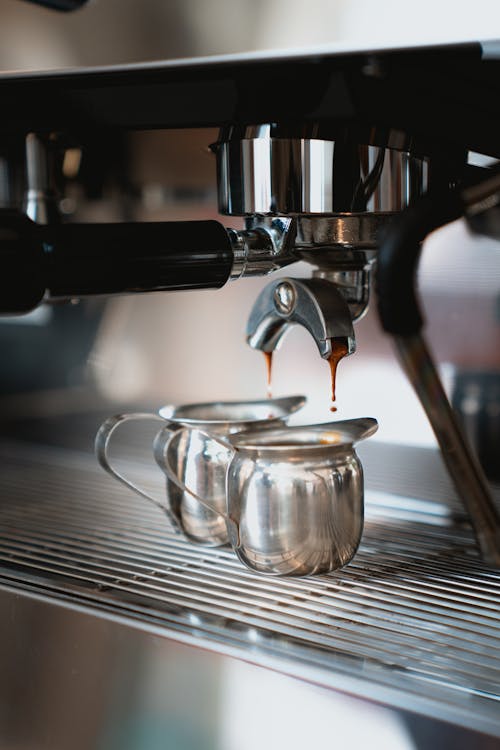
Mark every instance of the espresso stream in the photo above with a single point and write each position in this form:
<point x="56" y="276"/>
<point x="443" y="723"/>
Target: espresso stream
<point x="269" y="366"/>
<point x="339" y="351"/>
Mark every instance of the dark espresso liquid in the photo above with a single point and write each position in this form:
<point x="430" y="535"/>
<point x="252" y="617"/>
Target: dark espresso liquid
<point x="269" y="366"/>
<point x="339" y="351"/>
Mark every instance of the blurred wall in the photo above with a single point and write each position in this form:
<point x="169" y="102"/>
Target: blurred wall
<point x="117" y="31"/>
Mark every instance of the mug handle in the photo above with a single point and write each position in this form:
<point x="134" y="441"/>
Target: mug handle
<point x="102" y="440"/>
<point x="161" y="448"/>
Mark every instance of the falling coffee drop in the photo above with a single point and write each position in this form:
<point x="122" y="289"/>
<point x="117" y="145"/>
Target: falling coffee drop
<point x="339" y="351"/>
<point x="269" y="366"/>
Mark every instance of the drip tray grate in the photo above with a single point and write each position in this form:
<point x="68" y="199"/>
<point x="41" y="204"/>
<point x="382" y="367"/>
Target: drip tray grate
<point x="412" y="621"/>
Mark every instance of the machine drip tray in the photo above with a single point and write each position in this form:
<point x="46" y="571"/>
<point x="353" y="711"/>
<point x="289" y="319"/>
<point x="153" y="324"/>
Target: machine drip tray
<point x="412" y="622"/>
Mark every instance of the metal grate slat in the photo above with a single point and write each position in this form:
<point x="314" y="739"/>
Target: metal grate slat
<point x="416" y="603"/>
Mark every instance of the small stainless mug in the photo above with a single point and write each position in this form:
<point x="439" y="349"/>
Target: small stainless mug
<point x="198" y="457"/>
<point x="294" y="494"/>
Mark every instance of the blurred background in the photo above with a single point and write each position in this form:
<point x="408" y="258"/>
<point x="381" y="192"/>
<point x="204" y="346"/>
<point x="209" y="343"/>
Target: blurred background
<point x="182" y="347"/>
<point x="117" y="31"/>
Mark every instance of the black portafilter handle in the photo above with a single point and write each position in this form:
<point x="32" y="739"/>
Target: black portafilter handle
<point x="79" y="260"/>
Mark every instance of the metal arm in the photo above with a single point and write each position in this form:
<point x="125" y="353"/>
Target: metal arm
<point x="400" y="316"/>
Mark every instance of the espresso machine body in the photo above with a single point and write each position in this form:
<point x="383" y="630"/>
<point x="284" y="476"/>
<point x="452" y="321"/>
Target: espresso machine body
<point x="116" y="632"/>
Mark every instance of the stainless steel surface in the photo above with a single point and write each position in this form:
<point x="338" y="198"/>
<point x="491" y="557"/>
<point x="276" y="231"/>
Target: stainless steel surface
<point x="197" y="459"/>
<point x="259" y="173"/>
<point x="296" y="497"/>
<point x="482" y="201"/>
<point x="73" y="678"/>
<point x="318" y="235"/>
<point x="465" y="470"/>
<point x="483" y="194"/>
<point x="314" y="304"/>
<point x="475" y="398"/>
<point x="40" y="202"/>
<point x="263" y="247"/>
<point x="412" y="622"/>
<point x="293" y="496"/>
<point x="102" y="445"/>
<point x="353" y="284"/>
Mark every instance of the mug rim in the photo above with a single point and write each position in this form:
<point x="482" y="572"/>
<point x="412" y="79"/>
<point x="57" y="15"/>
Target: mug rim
<point x="173" y="413"/>
<point x="327" y="437"/>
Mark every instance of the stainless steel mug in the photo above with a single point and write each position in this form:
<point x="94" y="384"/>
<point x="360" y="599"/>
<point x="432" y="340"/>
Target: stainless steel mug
<point x="294" y="494"/>
<point x="198" y="458"/>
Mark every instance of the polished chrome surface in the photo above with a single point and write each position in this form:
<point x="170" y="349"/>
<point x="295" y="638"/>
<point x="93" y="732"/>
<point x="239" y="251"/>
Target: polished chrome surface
<point x="464" y="468"/>
<point x="482" y="201"/>
<point x="259" y="173"/>
<point x="343" y="249"/>
<point x="353" y="285"/>
<point x="195" y="465"/>
<point x="72" y="678"/>
<point x="294" y="494"/>
<point x="40" y="202"/>
<point x="264" y="246"/>
<point x="305" y="438"/>
<point x="199" y="460"/>
<point x="285" y="298"/>
<point x="314" y="304"/>
<point x="227" y="417"/>
<point x="482" y="195"/>
<point x="412" y="621"/>
<point x="296" y="497"/>
<point x="317" y="234"/>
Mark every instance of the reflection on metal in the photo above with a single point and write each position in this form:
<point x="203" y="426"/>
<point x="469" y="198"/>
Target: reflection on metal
<point x="103" y="684"/>
<point x="412" y="621"/>
<point x="40" y="200"/>
<point x="463" y="466"/>
<point x="41" y="316"/>
<point x="353" y="285"/>
<point x="314" y="304"/>
<point x="197" y="459"/>
<point x="260" y="173"/>
<point x="348" y="230"/>
<point x="295" y="495"/>
<point x="264" y="246"/>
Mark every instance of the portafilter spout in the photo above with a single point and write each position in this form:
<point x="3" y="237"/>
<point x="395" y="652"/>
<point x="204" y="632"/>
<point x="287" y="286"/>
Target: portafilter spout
<point x="315" y="304"/>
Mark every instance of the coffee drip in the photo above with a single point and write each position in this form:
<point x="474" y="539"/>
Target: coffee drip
<point x="269" y="366"/>
<point x="339" y="351"/>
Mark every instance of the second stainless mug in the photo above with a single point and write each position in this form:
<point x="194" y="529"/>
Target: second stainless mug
<point x="294" y="494"/>
<point x="199" y="458"/>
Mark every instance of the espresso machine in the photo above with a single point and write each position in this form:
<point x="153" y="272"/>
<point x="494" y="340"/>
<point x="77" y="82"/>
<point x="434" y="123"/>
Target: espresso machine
<point x="345" y="161"/>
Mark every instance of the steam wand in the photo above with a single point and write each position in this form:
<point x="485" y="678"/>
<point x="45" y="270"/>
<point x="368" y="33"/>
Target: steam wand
<point x="400" y="316"/>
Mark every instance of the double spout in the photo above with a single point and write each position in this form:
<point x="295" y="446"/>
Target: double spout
<point x="315" y="304"/>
